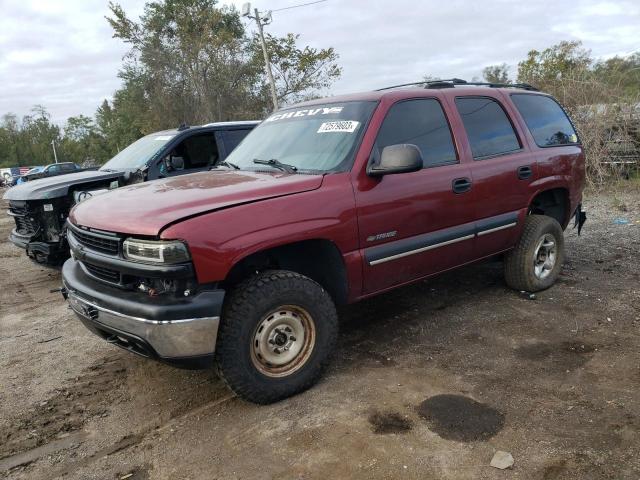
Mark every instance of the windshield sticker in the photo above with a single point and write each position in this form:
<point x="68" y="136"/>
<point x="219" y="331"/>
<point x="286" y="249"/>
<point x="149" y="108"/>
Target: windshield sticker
<point x="307" y="112"/>
<point x="163" y="137"/>
<point x="345" y="126"/>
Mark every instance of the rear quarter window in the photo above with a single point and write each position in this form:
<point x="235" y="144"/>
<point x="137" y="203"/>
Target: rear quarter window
<point x="546" y="120"/>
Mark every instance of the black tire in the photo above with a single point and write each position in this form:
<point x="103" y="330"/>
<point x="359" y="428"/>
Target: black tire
<point x="246" y="308"/>
<point x="519" y="264"/>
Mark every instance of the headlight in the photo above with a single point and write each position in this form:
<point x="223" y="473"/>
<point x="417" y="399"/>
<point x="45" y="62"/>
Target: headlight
<point x="168" y="252"/>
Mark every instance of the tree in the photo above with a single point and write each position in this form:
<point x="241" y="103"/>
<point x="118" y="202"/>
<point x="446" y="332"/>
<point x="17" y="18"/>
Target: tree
<point x="82" y="142"/>
<point x="622" y="72"/>
<point x="298" y="72"/>
<point x="192" y="62"/>
<point x="554" y="63"/>
<point x="496" y="73"/>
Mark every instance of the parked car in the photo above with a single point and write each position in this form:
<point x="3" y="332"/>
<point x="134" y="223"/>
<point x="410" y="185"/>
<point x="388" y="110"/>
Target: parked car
<point x="40" y="207"/>
<point x="329" y="202"/>
<point x="52" y="170"/>
<point x="10" y="175"/>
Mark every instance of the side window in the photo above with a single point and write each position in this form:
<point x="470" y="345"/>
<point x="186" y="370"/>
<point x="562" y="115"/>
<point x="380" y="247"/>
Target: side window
<point x="53" y="169"/>
<point x="232" y="138"/>
<point x="546" y="120"/>
<point x="199" y="151"/>
<point x="421" y="123"/>
<point x="488" y="128"/>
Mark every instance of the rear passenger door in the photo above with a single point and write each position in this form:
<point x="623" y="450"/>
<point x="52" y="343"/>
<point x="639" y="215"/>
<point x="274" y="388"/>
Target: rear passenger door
<point x="414" y="224"/>
<point x="502" y="170"/>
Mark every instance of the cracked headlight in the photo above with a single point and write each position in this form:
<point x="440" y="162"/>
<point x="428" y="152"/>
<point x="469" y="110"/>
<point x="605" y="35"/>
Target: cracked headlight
<point x="151" y="251"/>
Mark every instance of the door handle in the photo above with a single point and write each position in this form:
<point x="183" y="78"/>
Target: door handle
<point x="525" y="172"/>
<point x="461" y="185"/>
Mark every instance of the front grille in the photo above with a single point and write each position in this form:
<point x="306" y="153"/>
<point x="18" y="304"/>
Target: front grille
<point x="97" y="242"/>
<point x="103" y="273"/>
<point x="25" y="223"/>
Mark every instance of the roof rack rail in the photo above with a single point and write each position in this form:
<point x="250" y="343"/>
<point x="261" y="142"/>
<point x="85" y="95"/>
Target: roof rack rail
<point x="452" y="82"/>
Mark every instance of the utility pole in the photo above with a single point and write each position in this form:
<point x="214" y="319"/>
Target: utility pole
<point x="261" y="22"/>
<point x="55" y="155"/>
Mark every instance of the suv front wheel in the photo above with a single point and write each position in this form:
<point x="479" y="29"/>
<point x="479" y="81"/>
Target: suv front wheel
<point x="535" y="263"/>
<point x="275" y="337"/>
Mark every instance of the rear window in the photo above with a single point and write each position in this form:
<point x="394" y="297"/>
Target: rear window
<point x="488" y="128"/>
<point x="545" y="119"/>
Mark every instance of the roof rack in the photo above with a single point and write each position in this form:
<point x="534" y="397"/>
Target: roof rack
<point x="453" y="82"/>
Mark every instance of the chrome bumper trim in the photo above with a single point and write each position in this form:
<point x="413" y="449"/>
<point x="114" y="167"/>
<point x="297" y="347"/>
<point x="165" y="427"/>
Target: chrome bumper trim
<point x="169" y="338"/>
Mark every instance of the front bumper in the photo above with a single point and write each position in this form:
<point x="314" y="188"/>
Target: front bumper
<point x="48" y="253"/>
<point x="18" y="239"/>
<point x="178" y="331"/>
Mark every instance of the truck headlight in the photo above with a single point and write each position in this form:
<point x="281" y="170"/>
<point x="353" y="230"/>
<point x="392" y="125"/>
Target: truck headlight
<point x="167" y="252"/>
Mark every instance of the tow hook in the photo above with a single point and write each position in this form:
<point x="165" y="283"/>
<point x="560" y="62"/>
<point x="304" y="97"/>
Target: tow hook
<point x="62" y="290"/>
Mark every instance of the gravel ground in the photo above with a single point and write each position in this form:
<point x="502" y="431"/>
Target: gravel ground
<point x="428" y="382"/>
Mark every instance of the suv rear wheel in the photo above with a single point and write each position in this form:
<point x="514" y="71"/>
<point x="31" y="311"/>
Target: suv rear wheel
<point x="535" y="263"/>
<point x="275" y="337"/>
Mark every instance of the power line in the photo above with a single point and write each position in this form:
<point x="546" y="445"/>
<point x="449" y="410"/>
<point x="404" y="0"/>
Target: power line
<point x="296" y="6"/>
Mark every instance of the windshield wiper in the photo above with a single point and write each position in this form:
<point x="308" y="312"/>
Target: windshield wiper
<point x="227" y="164"/>
<point x="272" y="162"/>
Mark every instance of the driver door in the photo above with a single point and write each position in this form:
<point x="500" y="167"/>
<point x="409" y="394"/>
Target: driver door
<point x="198" y="152"/>
<point x="415" y="224"/>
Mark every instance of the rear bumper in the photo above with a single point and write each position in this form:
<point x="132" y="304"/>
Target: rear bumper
<point x="178" y="331"/>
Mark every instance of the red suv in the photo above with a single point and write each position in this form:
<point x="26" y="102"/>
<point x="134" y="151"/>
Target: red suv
<point x="324" y="203"/>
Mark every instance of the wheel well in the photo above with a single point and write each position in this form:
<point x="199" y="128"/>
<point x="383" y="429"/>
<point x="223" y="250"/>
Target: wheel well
<point x="552" y="203"/>
<point x="319" y="260"/>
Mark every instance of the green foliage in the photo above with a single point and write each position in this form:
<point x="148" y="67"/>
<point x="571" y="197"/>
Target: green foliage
<point x="27" y="142"/>
<point x="190" y="61"/>
<point x="496" y="73"/>
<point x="298" y="72"/>
<point x="554" y="63"/>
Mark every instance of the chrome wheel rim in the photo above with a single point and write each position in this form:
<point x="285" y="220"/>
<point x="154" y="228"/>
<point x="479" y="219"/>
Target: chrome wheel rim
<point x="545" y="256"/>
<point x="283" y="341"/>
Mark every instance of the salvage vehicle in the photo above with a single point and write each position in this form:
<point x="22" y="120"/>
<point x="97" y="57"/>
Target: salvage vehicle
<point x="52" y="170"/>
<point x="327" y="202"/>
<point x="9" y="176"/>
<point x="40" y="207"/>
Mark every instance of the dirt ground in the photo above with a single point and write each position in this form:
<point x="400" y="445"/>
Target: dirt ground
<point x="427" y="382"/>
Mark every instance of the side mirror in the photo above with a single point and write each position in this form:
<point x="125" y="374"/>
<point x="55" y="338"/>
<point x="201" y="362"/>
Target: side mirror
<point x="177" y="163"/>
<point x="401" y="158"/>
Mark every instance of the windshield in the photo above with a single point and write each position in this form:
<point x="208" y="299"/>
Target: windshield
<point x="35" y="170"/>
<point x="138" y="153"/>
<point x="319" y="138"/>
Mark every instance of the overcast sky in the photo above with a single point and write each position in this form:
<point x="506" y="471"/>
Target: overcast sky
<point x="61" y="54"/>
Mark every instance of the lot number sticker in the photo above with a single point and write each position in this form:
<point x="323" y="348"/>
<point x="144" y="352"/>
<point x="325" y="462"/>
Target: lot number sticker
<point x="346" y="126"/>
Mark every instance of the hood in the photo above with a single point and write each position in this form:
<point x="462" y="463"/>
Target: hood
<point x="146" y="208"/>
<point x="58" y="186"/>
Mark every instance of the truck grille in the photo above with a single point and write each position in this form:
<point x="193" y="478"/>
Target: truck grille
<point x="103" y="273"/>
<point x="25" y="224"/>
<point x="95" y="241"/>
